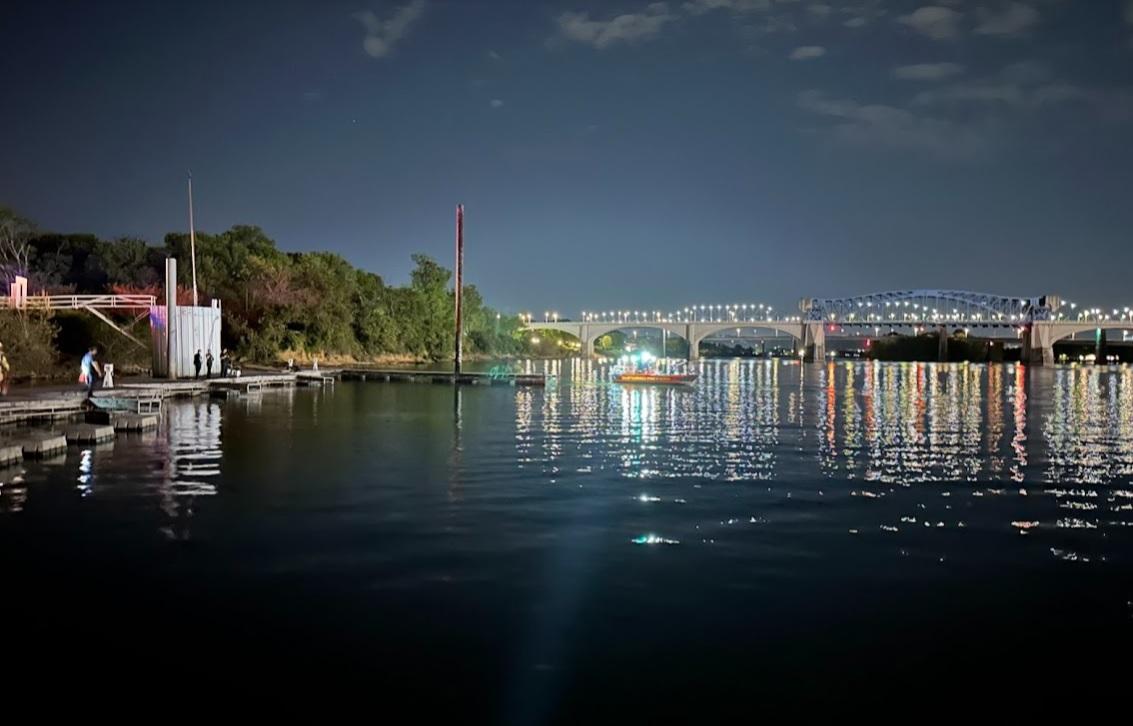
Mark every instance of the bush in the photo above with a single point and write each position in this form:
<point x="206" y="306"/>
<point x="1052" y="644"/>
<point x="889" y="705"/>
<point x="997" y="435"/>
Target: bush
<point x="29" y="342"/>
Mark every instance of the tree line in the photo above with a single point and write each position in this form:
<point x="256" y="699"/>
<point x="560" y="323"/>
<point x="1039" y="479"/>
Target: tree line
<point x="275" y="304"/>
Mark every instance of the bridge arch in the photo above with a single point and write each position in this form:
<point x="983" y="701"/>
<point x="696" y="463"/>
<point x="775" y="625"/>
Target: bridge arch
<point x="589" y="333"/>
<point x="1063" y="330"/>
<point x="702" y="331"/>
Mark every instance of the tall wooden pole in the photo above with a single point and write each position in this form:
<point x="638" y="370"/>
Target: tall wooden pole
<point x="459" y="287"/>
<point x="192" y="241"/>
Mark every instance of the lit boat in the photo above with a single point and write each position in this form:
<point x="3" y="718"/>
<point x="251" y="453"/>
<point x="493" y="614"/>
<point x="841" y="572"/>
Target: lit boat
<point x="669" y="379"/>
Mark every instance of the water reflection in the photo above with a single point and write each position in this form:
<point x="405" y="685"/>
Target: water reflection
<point x="949" y="446"/>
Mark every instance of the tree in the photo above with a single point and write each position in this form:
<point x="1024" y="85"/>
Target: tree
<point x="15" y="250"/>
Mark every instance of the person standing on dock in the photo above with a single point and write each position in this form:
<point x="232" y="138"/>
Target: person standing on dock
<point x="88" y="368"/>
<point x="225" y="362"/>
<point x="208" y="363"/>
<point x="4" y="368"/>
<point x="197" y="364"/>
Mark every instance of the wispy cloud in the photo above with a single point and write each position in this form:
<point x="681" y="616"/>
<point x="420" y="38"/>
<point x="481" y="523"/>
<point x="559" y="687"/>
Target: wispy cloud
<point x="699" y="7"/>
<point x="494" y="55"/>
<point x="1009" y="20"/>
<point x="496" y="103"/>
<point x="383" y="35"/>
<point x="862" y="13"/>
<point x="1026" y="85"/>
<point x="807" y="52"/>
<point x="927" y="71"/>
<point x="935" y="21"/>
<point x="626" y="28"/>
<point x="821" y="11"/>
<point x="882" y="126"/>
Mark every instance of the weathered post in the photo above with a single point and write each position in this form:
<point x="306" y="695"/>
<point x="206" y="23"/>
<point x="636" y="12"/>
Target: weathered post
<point x="170" y="316"/>
<point x="457" y="360"/>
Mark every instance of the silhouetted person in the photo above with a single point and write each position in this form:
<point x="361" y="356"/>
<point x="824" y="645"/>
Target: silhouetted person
<point x="208" y="363"/>
<point x="225" y="363"/>
<point x="88" y="368"/>
<point x="4" y="368"/>
<point x="197" y="364"/>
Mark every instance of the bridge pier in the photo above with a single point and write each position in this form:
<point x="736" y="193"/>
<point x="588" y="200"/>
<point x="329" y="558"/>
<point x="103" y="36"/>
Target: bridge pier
<point x="814" y="341"/>
<point x="1038" y="344"/>
<point x="942" y="344"/>
<point x="693" y="342"/>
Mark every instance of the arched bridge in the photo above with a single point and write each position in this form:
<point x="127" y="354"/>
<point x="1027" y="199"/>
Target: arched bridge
<point x="1039" y="320"/>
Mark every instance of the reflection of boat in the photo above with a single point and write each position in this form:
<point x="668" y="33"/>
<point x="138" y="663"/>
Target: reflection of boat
<point x="671" y="379"/>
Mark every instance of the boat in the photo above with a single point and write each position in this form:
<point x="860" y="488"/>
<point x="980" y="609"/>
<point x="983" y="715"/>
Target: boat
<point x="636" y="368"/>
<point x="667" y="379"/>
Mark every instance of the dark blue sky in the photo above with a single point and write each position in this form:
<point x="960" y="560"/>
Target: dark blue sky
<point x="610" y="154"/>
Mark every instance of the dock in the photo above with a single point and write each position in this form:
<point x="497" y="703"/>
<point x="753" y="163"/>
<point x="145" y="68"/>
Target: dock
<point x="134" y="405"/>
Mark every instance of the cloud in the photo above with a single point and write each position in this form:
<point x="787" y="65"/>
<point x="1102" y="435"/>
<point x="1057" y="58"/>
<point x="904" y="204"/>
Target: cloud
<point x="862" y="13"/>
<point x="627" y="28"/>
<point x="496" y="103"/>
<point x="699" y="7"/>
<point x="820" y="11"/>
<point x="938" y="23"/>
<point x="494" y="55"/>
<point x="807" y="52"/>
<point x="1010" y="20"/>
<point x="927" y="71"/>
<point x="1025" y="86"/>
<point x="383" y="35"/>
<point x="889" y="127"/>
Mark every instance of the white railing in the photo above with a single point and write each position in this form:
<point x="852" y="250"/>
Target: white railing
<point x="79" y="302"/>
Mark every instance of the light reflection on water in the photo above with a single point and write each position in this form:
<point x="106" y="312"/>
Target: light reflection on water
<point x="909" y="460"/>
<point x="927" y="446"/>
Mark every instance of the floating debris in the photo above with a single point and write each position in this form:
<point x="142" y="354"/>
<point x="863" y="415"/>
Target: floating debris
<point x="909" y="520"/>
<point x="680" y="501"/>
<point x="889" y="528"/>
<point x="647" y="498"/>
<point x="853" y="531"/>
<point x="650" y="539"/>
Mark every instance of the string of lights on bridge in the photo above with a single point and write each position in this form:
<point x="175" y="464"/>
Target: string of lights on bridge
<point x="902" y="312"/>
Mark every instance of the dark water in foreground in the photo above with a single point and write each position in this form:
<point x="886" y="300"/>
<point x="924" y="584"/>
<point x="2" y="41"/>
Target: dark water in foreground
<point x="778" y="537"/>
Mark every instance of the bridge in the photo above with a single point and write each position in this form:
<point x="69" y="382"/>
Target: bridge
<point x="1039" y="322"/>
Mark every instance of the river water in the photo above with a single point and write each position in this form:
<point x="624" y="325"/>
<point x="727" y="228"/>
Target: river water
<point x="777" y="536"/>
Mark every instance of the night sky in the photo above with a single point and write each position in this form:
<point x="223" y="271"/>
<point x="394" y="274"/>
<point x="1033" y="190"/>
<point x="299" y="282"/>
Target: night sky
<point x="609" y="154"/>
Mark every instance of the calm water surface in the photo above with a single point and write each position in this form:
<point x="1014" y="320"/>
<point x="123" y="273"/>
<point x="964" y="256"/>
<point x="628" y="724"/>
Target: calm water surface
<point x="779" y="535"/>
